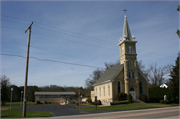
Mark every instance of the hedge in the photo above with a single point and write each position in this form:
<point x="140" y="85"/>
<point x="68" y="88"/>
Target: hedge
<point x="118" y="103"/>
<point x="164" y="101"/>
<point x="156" y="94"/>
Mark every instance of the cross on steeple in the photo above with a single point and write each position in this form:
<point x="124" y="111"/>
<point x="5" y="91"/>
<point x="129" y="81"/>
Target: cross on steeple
<point x="125" y="10"/>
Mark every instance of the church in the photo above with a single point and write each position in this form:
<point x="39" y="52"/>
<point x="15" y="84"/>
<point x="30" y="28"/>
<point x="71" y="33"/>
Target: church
<point x="124" y="77"/>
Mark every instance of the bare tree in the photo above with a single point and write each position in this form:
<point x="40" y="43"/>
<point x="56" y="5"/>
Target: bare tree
<point x="159" y="74"/>
<point x="93" y="78"/>
<point x="110" y="64"/>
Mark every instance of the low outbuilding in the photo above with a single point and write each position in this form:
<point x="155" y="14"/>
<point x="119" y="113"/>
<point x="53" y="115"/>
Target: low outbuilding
<point x="55" y="97"/>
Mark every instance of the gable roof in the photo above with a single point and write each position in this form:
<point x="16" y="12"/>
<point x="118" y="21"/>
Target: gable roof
<point x="110" y="73"/>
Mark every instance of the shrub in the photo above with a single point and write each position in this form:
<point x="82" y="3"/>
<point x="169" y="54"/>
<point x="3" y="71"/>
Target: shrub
<point x="144" y="98"/>
<point x="130" y="98"/>
<point x="118" y="103"/>
<point x="38" y="102"/>
<point x="99" y="102"/>
<point x="89" y="100"/>
<point x="121" y="96"/>
<point x="164" y="101"/>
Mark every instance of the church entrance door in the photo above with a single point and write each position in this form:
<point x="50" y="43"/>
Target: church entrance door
<point x="133" y="93"/>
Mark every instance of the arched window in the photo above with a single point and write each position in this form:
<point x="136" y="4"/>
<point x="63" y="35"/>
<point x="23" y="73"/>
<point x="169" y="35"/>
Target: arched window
<point x="140" y="88"/>
<point x="109" y="90"/>
<point x="122" y="50"/>
<point x="133" y="75"/>
<point x="129" y="74"/>
<point x="99" y="91"/>
<point x="96" y="91"/>
<point x="104" y="91"/>
<point x="131" y="89"/>
<point x="119" y="86"/>
<point x="130" y="50"/>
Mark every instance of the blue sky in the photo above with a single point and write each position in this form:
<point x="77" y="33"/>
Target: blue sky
<point x="82" y="32"/>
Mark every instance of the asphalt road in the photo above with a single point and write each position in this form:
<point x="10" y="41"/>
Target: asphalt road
<point x="159" y="113"/>
<point x="61" y="110"/>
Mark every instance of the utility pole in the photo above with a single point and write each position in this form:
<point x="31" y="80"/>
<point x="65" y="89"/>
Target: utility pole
<point x="26" y="74"/>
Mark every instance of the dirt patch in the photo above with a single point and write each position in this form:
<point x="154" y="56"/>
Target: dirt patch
<point x="160" y="105"/>
<point x="4" y="108"/>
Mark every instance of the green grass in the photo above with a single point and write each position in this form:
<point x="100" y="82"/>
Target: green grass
<point x="129" y="106"/>
<point x="18" y="103"/>
<point x="29" y="103"/>
<point x="16" y="114"/>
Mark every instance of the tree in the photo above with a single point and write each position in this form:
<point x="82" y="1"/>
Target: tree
<point x="178" y="32"/>
<point x="5" y="83"/>
<point x="157" y="74"/>
<point x="93" y="78"/>
<point x="174" y="80"/>
<point x="108" y="65"/>
<point x="145" y="71"/>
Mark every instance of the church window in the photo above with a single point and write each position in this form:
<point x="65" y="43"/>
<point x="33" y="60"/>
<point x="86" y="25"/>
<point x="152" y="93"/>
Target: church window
<point x="109" y="90"/>
<point x="119" y="86"/>
<point x="122" y="50"/>
<point x="140" y="88"/>
<point x="133" y="75"/>
<point x="99" y="91"/>
<point x="96" y="91"/>
<point x="104" y="91"/>
<point x="130" y="50"/>
<point x="131" y="89"/>
<point x="129" y="74"/>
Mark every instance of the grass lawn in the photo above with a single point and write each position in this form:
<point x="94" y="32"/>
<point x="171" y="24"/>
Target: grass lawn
<point x="18" y="103"/>
<point x="129" y="106"/>
<point x="6" y="113"/>
<point x="29" y="103"/>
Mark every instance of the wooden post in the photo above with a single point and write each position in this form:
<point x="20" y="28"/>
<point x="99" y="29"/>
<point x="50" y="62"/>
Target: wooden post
<point x="26" y="74"/>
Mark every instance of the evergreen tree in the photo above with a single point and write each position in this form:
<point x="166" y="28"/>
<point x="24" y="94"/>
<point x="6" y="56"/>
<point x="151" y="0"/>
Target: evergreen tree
<point x="174" y="80"/>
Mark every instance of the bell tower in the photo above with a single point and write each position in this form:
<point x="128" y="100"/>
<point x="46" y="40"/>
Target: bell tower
<point x="128" y="55"/>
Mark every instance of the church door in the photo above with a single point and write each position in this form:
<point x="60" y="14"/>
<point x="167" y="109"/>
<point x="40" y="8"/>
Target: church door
<point x="133" y="93"/>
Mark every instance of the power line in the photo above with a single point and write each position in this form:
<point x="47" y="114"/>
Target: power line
<point x="50" y="60"/>
<point x="56" y="28"/>
<point x="56" y="61"/>
<point x="58" y="38"/>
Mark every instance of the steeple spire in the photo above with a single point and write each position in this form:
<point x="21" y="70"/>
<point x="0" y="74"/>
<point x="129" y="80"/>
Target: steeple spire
<point x="126" y="36"/>
<point x="126" y="29"/>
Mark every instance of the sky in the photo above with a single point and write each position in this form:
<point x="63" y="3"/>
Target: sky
<point x="84" y="33"/>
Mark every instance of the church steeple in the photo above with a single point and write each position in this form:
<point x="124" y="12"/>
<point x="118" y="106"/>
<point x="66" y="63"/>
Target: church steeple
<point x="126" y="36"/>
<point x="126" y="30"/>
<point x="127" y="44"/>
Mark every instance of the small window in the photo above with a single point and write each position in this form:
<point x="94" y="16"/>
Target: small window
<point x="104" y="91"/>
<point x="133" y="75"/>
<point x="122" y="50"/>
<point x="129" y="74"/>
<point x="130" y="50"/>
<point x="119" y="86"/>
<point x="140" y="88"/>
<point x="99" y="91"/>
<point x="96" y="91"/>
<point x="109" y="90"/>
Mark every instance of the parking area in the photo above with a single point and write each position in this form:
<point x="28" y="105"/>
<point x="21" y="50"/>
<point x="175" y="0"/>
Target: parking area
<point x="60" y="110"/>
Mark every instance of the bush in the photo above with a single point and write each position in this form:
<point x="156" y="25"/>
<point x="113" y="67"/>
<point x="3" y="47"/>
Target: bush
<point x="121" y="96"/>
<point x="89" y="100"/>
<point x="164" y="101"/>
<point x="130" y="98"/>
<point x="118" y="103"/>
<point x="144" y="98"/>
<point x="99" y="102"/>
